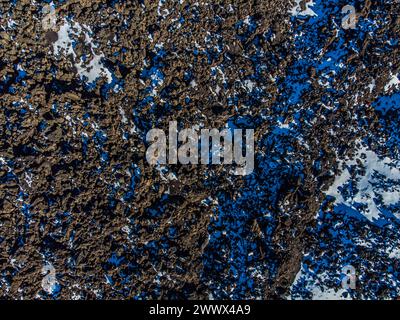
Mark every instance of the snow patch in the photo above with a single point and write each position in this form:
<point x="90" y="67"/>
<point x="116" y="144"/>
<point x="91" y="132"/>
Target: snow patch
<point x="49" y="282"/>
<point x="394" y="253"/>
<point x="366" y="181"/>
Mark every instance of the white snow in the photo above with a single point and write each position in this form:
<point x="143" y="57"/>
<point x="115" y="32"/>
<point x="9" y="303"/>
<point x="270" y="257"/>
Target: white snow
<point x="372" y="86"/>
<point x="297" y="11"/>
<point x="124" y="119"/>
<point x="328" y="294"/>
<point x="393" y="82"/>
<point x="250" y="85"/>
<point x="394" y="253"/>
<point x="365" y="182"/>
<point x="163" y="13"/>
<point x="318" y="287"/>
<point x="90" y="70"/>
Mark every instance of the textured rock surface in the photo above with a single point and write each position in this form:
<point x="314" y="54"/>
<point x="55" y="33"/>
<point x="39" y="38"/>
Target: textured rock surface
<point x="82" y="214"/>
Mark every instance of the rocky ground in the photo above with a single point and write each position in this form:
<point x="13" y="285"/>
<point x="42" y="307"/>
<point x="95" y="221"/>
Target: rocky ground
<point x="84" y="216"/>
